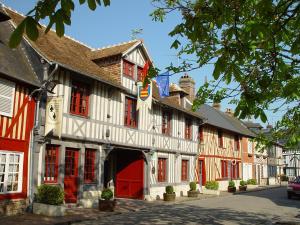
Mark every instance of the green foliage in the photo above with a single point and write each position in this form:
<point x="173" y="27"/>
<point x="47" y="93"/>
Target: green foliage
<point x="251" y="182"/>
<point x="169" y="189"/>
<point x="107" y="194"/>
<point x="254" y="46"/>
<point x="231" y="183"/>
<point x="193" y="186"/>
<point x="243" y="183"/>
<point x="50" y="194"/>
<point x="284" y="177"/>
<point x="212" y="185"/>
<point x="58" y="12"/>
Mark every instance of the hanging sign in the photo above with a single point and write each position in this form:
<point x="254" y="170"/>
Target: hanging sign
<point x="53" y="116"/>
<point x="144" y="96"/>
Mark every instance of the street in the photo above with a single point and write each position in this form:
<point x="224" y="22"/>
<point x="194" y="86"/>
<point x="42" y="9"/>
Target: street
<point x="263" y="207"/>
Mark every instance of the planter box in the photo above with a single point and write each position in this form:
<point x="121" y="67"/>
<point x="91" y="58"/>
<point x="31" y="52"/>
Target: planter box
<point x="243" y="188"/>
<point x="107" y="205"/>
<point x="193" y="194"/>
<point x="231" y="189"/>
<point x="251" y="186"/>
<point x="169" y="197"/>
<point x="48" y="210"/>
<point x="211" y="192"/>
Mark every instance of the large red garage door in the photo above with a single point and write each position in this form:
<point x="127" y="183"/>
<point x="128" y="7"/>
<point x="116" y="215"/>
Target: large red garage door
<point x="130" y="174"/>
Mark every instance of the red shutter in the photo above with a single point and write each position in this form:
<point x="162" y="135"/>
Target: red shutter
<point x="89" y="165"/>
<point x="130" y="115"/>
<point x="184" y="170"/>
<point x="79" y="99"/>
<point x="161" y="170"/>
<point x="51" y="164"/>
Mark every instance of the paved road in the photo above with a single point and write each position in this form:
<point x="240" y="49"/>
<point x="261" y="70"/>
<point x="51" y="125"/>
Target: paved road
<point x="263" y="207"/>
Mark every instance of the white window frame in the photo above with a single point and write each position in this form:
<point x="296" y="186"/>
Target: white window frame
<point x="20" y="174"/>
<point x="12" y="97"/>
<point x="250" y="146"/>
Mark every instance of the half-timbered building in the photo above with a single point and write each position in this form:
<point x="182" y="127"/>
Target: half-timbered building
<point x="94" y="136"/>
<point x="17" y="108"/>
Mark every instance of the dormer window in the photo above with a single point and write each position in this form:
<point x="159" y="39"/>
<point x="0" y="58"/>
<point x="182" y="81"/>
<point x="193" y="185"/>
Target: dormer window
<point x="128" y="69"/>
<point x="166" y="122"/>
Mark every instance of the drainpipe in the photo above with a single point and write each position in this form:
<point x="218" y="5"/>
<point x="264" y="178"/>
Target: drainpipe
<point x="40" y="91"/>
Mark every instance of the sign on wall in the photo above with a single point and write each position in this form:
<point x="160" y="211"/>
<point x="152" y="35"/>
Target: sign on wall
<point x="54" y="116"/>
<point x="144" y="96"/>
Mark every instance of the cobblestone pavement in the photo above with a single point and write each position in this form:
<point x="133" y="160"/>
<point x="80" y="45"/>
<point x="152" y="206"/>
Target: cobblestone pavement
<point x="263" y="207"/>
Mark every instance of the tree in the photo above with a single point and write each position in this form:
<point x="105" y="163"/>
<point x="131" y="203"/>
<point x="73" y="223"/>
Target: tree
<point x="253" y="44"/>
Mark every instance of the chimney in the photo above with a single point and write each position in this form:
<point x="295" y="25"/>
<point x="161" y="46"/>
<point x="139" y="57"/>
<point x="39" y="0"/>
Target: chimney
<point x="188" y="84"/>
<point x="217" y="105"/>
<point x="229" y="112"/>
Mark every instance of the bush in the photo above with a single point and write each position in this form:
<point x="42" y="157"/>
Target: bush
<point x="50" y="194"/>
<point x="231" y="183"/>
<point x="212" y="185"/>
<point x="169" y="189"/>
<point x="107" y="194"/>
<point x="193" y="186"/>
<point x="251" y="181"/>
<point x="284" y="178"/>
<point x="243" y="183"/>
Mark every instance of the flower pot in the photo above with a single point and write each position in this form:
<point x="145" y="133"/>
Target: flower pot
<point x="231" y="189"/>
<point x="193" y="194"/>
<point x="48" y="210"/>
<point x="243" y="188"/>
<point x="169" y="197"/>
<point x="107" y="205"/>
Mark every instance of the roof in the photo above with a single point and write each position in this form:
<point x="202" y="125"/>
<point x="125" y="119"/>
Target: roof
<point x="14" y="62"/>
<point x="65" y="51"/>
<point x="222" y="120"/>
<point x="176" y="88"/>
<point x="114" y="50"/>
<point x="250" y="124"/>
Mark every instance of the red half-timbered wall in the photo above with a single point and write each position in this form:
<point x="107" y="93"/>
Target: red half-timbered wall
<point x="15" y="132"/>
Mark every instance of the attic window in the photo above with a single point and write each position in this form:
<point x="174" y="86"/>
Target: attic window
<point x="128" y="69"/>
<point x="139" y="73"/>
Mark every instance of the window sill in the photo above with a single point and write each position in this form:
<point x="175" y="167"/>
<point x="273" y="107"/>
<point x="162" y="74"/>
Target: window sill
<point x="133" y="128"/>
<point x="79" y="115"/>
<point x="90" y="182"/>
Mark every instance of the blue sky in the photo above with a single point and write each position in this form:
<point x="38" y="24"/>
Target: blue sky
<point x="114" y="24"/>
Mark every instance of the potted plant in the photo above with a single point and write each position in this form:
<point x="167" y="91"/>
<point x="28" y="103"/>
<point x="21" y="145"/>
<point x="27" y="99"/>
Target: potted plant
<point x="211" y="188"/>
<point x="107" y="203"/>
<point x="193" y="192"/>
<point x="231" y="186"/>
<point x="243" y="185"/>
<point x="49" y="201"/>
<point x="170" y="194"/>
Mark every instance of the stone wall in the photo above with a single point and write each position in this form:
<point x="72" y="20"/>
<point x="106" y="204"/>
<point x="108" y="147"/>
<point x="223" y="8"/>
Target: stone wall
<point x="13" y="206"/>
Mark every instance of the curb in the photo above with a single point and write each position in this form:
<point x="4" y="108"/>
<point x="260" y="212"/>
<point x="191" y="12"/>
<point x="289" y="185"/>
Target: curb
<point x="256" y="190"/>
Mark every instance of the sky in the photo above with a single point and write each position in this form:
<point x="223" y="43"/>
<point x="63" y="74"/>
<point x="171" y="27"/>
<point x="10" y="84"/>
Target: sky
<point x="114" y="24"/>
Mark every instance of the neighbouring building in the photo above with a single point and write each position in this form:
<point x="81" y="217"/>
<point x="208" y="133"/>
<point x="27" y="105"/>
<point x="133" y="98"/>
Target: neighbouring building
<point x="223" y="152"/>
<point x="291" y="160"/>
<point x="17" y="108"/>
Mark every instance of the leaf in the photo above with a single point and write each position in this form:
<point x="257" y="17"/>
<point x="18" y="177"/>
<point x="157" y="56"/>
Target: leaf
<point x="60" y="28"/>
<point x="81" y="2"/>
<point x="31" y="28"/>
<point x="92" y="4"/>
<point x="16" y="36"/>
<point x="263" y="116"/>
<point x="106" y="2"/>
<point x="219" y="68"/>
<point x="175" y="44"/>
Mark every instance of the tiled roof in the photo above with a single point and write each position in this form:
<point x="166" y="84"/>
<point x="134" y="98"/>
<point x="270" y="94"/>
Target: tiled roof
<point x="112" y="50"/>
<point x="14" y="62"/>
<point x="250" y="124"/>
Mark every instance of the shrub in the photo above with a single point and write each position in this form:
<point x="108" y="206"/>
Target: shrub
<point x="243" y="183"/>
<point x="251" y="181"/>
<point x="107" y="194"/>
<point x="231" y="183"/>
<point x="50" y="194"/>
<point x="284" y="178"/>
<point x="212" y="185"/>
<point x="193" y="186"/>
<point x="169" y="189"/>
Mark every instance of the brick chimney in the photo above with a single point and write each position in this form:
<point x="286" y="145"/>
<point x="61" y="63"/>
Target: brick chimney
<point x="188" y="84"/>
<point x="217" y="105"/>
<point x="229" y="112"/>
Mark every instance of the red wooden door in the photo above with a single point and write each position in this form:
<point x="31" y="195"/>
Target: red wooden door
<point x="130" y="175"/>
<point x="202" y="174"/>
<point x="71" y="175"/>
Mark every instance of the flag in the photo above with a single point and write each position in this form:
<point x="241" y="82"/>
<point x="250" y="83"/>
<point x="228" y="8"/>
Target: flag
<point x="145" y="70"/>
<point x="162" y="81"/>
<point x="144" y="96"/>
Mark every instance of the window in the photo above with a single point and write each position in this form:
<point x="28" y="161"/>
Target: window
<point x="128" y="69"/>
<point x="235" y="171"/>
<point x="249" y="146"/>
<point x="11" y="169"/>
<point x="51" y="164"/>
<point x="130" y="119"/>
<point x="220" y="138"/>
<point x="161" y="170"/>
<point x="224" y="169"/>
<point x="139" y="73"/>
<point x="200" y="134"/>
<point x="89" y="165"/>
<point x="166" y="122"/>
<point x="188" y="129"/>
<point x="7" y="90"/>
<point x="184" y="170"/>
<point x="236" y="142"/>
<point x="79" y="99"/>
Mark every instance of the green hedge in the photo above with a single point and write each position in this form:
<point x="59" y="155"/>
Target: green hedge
<point x="212" y="185"/>
<point x="193" y="186"/>
<point x="169" y="189"/>
<point x="251" y="181"/>
<point x="243" y="183"/>
<point x="231" y="183"/>
<point x="107" y="194"/>
<point x="50" y="194"/>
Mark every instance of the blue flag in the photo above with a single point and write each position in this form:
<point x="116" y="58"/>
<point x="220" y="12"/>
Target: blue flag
<point x="162" y="81"/>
